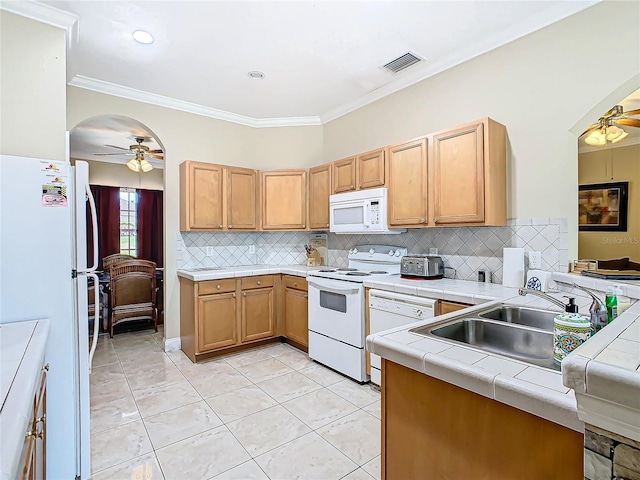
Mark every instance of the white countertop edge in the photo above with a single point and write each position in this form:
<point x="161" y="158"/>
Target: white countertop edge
<point x="609" y="416"/>
<point x="629" y="288"/>
<point x="538" y="400"/>
<point x="18" y="407"/>
<point x="245" y="271"/>
<point x="617" y="385"/>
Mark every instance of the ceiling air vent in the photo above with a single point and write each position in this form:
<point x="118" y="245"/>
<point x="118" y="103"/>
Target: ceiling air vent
<point x="402" y="62"/>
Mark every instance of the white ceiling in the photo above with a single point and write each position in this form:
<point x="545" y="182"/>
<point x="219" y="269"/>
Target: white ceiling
<point x="321" y="59"/>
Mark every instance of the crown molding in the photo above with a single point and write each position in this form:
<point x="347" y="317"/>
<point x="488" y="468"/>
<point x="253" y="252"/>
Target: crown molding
<point x="100" y="86"/>
<point x="42" y="13"/>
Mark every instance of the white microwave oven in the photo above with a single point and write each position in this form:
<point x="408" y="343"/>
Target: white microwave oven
<point x="364" y="211"/>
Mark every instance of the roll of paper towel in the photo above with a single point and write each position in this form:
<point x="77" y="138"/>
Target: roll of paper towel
<point x="513" y="267"/>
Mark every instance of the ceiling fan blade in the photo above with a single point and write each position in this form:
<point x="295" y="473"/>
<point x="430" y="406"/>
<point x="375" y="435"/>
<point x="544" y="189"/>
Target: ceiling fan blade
<point x="107" y="154"/>
<point x="633" y="112"/>
<point x="593" y="127"/>
<point x="156" y="151"/>
<point x="157" y="157"/>
<point x="119" y="148"/>
<point x="631" y="122"/>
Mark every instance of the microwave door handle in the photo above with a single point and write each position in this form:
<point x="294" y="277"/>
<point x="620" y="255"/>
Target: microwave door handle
<point x="367" y="214"/>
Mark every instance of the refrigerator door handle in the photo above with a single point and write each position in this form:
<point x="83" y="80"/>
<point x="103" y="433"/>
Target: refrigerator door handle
<point x="94" y="227"/>
<point x="96" y="315"/>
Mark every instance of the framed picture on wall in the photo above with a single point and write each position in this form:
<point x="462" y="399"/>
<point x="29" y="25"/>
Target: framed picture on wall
<point x="602" y="207"/>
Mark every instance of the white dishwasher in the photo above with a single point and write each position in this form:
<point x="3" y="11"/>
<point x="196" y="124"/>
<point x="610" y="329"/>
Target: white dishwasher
<point x="390" y="310"/>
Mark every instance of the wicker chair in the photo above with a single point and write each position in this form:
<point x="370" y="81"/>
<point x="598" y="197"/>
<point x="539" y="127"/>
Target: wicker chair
<point x="110" y="260"/>
<point x="133" y="292"/>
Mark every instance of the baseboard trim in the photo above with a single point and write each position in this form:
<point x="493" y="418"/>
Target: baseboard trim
<point x="172" y="344"/>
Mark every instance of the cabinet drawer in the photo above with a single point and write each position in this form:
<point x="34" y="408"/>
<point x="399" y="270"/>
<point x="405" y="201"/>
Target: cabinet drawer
<point x="217" y="286"/>
<point x="257" y="282"/>
<point x="298" y="283"/>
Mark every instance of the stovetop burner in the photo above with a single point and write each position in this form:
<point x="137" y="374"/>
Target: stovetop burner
<point x="346" y="269"/>
<point x="328" y="270"/>
<point x="378" y="272"/>
<point x="358" y="274"/>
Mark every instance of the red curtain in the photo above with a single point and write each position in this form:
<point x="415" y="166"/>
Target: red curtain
<point x="108" y="210"/>
<point x="150" y="225"/>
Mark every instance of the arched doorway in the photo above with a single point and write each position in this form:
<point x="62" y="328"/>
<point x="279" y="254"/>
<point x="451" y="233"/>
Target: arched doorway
<point x="126" y="169"/>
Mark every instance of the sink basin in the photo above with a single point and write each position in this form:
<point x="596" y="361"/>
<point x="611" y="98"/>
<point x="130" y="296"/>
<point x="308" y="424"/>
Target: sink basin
<point x="522" y="316"/>
<point x="530" y="345"/>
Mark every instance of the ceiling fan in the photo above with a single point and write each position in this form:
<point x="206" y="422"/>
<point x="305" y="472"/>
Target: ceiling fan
<point x="606" y="129"/>
<point x="140" y="152"/>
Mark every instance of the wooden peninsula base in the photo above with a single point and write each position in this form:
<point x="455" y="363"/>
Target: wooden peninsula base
<point x="434" y="430"/>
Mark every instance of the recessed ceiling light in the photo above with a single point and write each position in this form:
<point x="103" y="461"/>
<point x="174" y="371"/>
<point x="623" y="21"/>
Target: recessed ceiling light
<point x="256" y="75"/>
<point x="143" y="37"/>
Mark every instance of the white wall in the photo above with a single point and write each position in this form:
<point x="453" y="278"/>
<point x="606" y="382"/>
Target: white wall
<point x="191" y="137"/>
<point x="33" y="88"/>
<point x="118" y="175"/>
<point x="539" y="87"/>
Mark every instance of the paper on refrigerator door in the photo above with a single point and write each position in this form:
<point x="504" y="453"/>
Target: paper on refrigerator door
<point x="513" y="267"/>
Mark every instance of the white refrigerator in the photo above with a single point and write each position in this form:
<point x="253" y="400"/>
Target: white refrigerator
<point x="43" y="274"/>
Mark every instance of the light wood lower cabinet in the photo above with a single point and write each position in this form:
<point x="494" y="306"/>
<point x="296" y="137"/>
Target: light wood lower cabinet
<point x="296" y="310"/>
<point x="257" y="314"/>
<point x="432" y="429"/>
<point x="217" y="321"/>
<point x="33" y="460"/>
<point x="448" y="307"/>
<point x="223" y="315"/>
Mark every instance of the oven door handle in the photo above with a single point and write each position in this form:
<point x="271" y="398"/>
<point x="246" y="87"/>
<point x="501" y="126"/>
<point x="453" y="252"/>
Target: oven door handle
<point x="338" y="291"/>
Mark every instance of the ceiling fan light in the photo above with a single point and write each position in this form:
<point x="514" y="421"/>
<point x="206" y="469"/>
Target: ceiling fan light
<point x="620" y="137"/>
<point x="613" y="132"/>
<point x="134" y="165"/>
<point x="146" y="166"/>
<point x="596" y="138"/>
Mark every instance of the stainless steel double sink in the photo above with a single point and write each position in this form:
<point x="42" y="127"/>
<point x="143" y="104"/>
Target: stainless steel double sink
<point x="520" y="333"/>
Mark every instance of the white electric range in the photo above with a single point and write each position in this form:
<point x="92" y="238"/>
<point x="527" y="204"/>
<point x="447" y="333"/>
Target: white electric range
<point x="337" y="308"/>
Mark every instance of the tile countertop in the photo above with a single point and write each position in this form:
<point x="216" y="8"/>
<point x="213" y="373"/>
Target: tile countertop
<point x="23" y="347"/>
<point x="246" y="271"/>
<point x="536" y="390"/>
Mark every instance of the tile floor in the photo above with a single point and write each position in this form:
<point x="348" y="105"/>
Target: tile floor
<point x="266" y="413"/>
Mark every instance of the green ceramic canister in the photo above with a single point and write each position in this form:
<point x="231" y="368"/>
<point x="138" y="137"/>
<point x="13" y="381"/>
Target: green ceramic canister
<point x="570" y="330"/>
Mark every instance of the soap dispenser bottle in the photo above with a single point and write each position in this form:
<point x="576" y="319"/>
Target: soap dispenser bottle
<point x="570" y="330"/>
<point x="612" y="302"/>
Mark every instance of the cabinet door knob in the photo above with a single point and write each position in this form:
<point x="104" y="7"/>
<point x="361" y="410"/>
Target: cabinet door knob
<point x="327" y="224"/>
<point x="435" y="219"/>
<point x="306" y="296"/>
<point x="220" y="226"/>
<point x="295" y="284"/>
<point x="353" y="187"/>
<point x="359" y="185"/>
<point x="45" y="368"/>
<point x="259" y="282"/>
<point x="303" y="225"/>
<point x="230" y="226"/>
<point x="217" y="287"/>
<point x="244" y="294"/>
<point x="234" y="295"/>
<point x="422" y="220"/>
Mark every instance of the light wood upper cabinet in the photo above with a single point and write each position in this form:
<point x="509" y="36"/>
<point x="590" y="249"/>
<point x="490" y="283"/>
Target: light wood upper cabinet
<point x="242" y="212"/>
<point x="284" y="200"/>
<point x="257" y="314"/>
<point x="217" y="323"/>
<point x="408" y="184"/>
<point x="319" y="192"/>
<point x="371" y="171"/>
<point x="469" y="174"/>
<point x="201" y="196"/>
<point x="344" y="175"/>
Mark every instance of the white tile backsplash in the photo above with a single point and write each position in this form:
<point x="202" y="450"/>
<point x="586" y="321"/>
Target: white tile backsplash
<point x="464" y="250"/>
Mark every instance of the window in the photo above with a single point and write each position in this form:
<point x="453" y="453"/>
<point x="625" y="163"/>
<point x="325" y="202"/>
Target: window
<point x="128" y="222"/>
